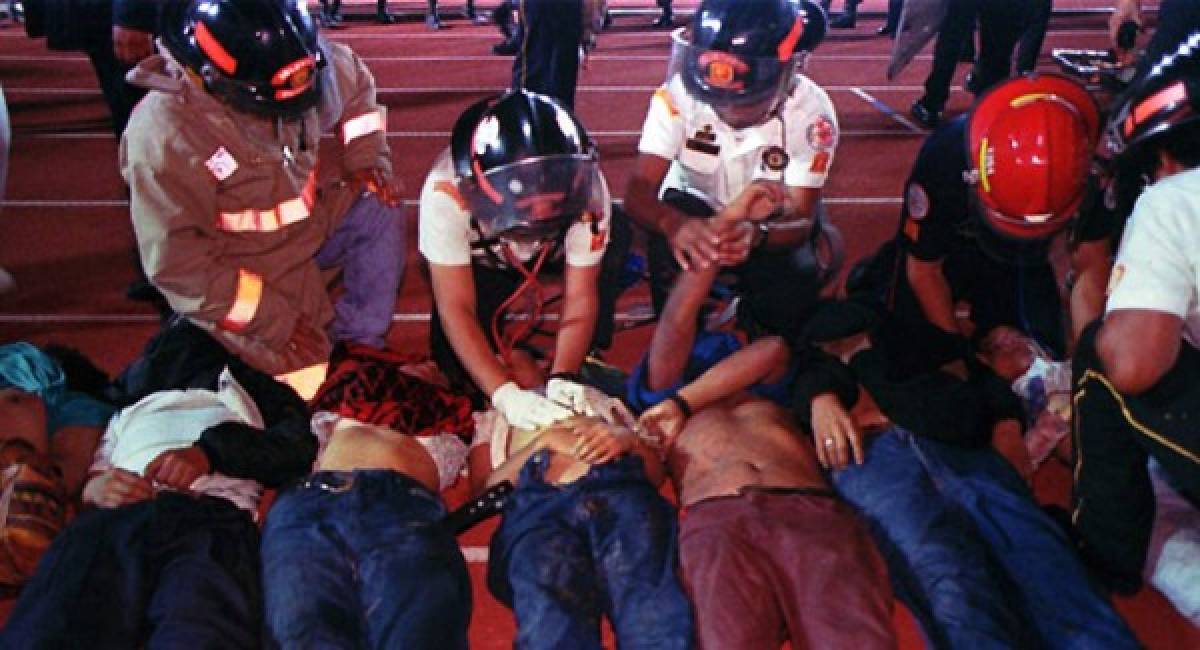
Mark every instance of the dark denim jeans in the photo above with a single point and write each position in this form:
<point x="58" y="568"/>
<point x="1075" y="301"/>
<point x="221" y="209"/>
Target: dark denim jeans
<point x="970" y="552"/>
<point x="171" y="572"/>
<point x="369" y="246"/>
<point x="359" y="560"/>
<point x="604" y="545"/>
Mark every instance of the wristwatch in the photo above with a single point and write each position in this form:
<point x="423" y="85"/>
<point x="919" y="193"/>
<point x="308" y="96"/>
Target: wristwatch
<point x="760" y="237"/>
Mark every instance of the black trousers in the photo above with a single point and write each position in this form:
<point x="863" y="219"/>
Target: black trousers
<point x="1115" y="434"/>
<point x="493" y="286"/>
<point x="172" y="572"/>
<point x="778" y="288"/>
<point x="548" y="59"/>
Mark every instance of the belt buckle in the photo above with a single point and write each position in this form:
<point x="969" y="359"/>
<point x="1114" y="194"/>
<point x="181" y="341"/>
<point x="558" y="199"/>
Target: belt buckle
<point x="334" y="484"/>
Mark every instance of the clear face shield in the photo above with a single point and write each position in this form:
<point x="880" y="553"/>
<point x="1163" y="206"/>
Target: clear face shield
<point x="538" y="198"/>
<point x="743" y="91"/>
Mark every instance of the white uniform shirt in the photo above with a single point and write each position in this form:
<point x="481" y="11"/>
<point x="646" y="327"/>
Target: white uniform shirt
<point x="1158" y="263"/>
<point x="175" y="419"/>
<point x="716" y="162"/>
<point x="445" y="233"/>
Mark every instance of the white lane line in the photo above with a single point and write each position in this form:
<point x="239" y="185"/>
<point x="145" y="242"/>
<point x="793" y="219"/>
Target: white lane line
<point x="403" y="317"/>
<point x="107" y="135"/>
<point x="121" y="203"/>
<point x="481" y="57"/>
<point x="886" y="110"/>
<point x="475" y="90"/>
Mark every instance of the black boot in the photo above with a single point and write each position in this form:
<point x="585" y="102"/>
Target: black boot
<point x="382" y="15"/>
<point x="666" y="19"/>
<point x="848" y="17"/>
<point x="926" y="115"/>
<point x="431" y="16"/>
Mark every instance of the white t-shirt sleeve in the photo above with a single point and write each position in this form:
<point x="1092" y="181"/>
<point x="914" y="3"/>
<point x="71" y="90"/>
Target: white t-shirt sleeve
<point x="1152" y="270"/>
<point x="585" y="241"/>
<point x="812" y="135"/>
<point x="444" y="227"/>
<point x="663" y="132"/>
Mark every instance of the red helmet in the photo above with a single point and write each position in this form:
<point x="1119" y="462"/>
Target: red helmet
<point x="1029" y="147"/>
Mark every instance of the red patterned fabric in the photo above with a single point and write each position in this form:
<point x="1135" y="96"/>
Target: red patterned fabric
<point x="370" y="386"/>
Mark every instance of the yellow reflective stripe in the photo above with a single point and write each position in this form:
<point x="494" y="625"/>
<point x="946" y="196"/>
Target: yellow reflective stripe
<point x="1133" y="422"/>
<point x="306" y="381"/>
<point x="362" y="125"/>
<point x="286" y="213"/>
<point x="245" y="301"/>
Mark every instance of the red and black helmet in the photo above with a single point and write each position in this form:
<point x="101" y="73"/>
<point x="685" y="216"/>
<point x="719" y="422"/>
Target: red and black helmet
<point x="260" y="56"/>
<point x="742" y="53"/>
<point x="1030" y="142"/>
<point x="525" y="166"/>
<point x="1152" y="113"/>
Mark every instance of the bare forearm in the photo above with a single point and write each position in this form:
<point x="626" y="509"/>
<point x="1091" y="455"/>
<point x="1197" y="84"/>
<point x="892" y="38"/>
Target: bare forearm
<point x="641" y="203"/>
<point x="749" y="366"/>
<point x="672" y="343"/>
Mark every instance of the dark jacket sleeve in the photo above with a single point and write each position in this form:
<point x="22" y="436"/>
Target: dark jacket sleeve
<point x="284" y="451"/>
<point x="820" y="372"/>
<point x="141" y="15"/>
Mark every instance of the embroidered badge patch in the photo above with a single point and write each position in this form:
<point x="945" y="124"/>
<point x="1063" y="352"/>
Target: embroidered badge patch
<point x="704" y="140"/>
<point x="221" y="164"/>
<point x="775" y="159"/>
<point x="821" y="134"/>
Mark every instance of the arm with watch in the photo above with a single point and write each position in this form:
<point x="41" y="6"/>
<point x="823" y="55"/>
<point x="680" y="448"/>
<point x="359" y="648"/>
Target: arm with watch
<point x="766" y="214"/>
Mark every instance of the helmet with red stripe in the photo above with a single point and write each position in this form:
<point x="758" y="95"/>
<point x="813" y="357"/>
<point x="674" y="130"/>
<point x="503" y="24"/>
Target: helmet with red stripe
<point x="526" y="167"/>
<point x="260" y="56"/>
<point x="743" y="54"/>
<point x="1159" y="112"/>
<point x="1029" y="144"/>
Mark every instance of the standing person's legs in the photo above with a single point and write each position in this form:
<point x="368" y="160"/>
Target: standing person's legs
<point x="1030" y="46"/>
<point x="953" y="34"/>
<point x="118" y="95"/>
<point x="431" y="15"/>
<point x="369" y="245"/>
<point x="667" y="17"/>
<point x="548" y="59"/>
<point x="1000" y="27"/>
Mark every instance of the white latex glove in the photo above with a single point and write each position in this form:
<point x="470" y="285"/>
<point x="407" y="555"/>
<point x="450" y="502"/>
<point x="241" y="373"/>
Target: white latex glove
<point x="526" y="409"/>
<point x="565" y="392"/>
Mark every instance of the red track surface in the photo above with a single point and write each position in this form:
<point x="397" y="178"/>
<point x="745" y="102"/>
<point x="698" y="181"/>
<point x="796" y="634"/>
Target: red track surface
<point x="65" y="234"/>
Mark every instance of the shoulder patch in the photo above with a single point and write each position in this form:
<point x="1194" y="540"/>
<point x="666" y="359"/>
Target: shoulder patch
<point x="821" y="133"/>
<point x="917" y="201"/>
<point x="221" y="164"/>
<point x="664" y="96"/>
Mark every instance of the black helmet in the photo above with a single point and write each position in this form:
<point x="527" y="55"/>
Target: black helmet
<point x="743" y="53"/>
<point x="260" y="56"/>
<point x="525" y="166"/>
<point x="1151" y="113"/>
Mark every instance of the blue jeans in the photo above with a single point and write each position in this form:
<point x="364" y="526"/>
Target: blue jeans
<point x="369" y="246"/>
<point x="970" y="552"/>
<point x="604" y="545"/>
<point x="359" y="560"/>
